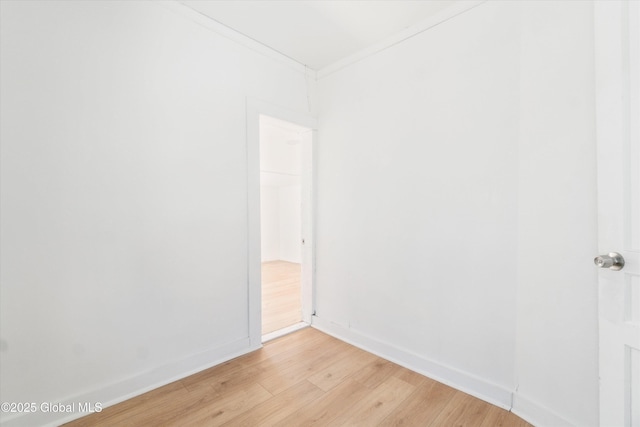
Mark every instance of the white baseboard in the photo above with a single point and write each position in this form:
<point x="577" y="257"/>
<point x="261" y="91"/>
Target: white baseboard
<point x="513" y="401"/>
<point x="111" y="394"/>
<point x="537" y="414"/>
<point x="463" y="381"/>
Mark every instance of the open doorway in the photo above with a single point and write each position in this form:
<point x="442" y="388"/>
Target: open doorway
<point x="284" y="178"/>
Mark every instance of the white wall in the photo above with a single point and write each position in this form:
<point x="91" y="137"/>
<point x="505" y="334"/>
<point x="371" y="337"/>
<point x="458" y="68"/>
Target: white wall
<point x="279" y="147"/>
<point x="290" y="227"/>
<point x="280" y="222"/>
<point x="269" y="223"/>
<point x="417" y="167"/>
<point x="280" y="186"/>
<point x="456" y="206"/>
<point x="124" y="196"/>
<point x="557" y="339"/>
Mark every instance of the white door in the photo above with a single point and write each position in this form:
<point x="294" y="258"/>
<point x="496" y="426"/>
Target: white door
<point x="617" y="41"/>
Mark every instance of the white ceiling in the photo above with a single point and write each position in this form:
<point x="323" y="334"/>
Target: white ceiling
<point x="319" y="33"/>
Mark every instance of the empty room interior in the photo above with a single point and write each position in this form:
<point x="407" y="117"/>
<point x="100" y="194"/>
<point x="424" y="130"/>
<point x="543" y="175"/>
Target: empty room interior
<point x="257" y="213"/>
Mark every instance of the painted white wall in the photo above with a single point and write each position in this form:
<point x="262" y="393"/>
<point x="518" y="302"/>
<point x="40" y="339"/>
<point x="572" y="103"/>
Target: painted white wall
<point x="456" y="206"/>
<point x="417" y="195"/>
<point x="124" y="196"/>
<point x="290" y="223"/>
<point x="557" y="339"/>
<point x="280" y="197"/>
<point x="269" y="223"/>
<point x="280" y="223"/>
<point x="279" y="147"/>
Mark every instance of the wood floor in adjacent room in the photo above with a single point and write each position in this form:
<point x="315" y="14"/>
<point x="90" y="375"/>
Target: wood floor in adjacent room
<point x="281" y="303"/>
<point x="303" y="379"/>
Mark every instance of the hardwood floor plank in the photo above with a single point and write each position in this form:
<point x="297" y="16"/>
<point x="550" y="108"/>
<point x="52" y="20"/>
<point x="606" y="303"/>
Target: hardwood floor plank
<point x="223" y="408"/>
<point x="163" y="409"/>
<point x="462" y="410"/>
<point x="172" y="411"/>
<point x="209" y="376"/>
<point x="375" y="373"/>
<point x="287" y="348"/>
<point x="411" y="377"/>
<point x="302" y="367"/>
<point x="281" y="295"/>
<point x="498" y="417"/>
<point x="277" y="408"/>
<point x="352" y="361"/>
<point x="422" y="407"/>
<point x="261" y="363"/>
<point x="512" y="420"/>
<point x="329" y="406"/>
<point x="376" y="405"/>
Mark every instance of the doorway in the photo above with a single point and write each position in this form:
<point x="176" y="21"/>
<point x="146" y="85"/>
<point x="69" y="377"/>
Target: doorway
<point x="281" y="241"/>
<point x="280" y="147"/>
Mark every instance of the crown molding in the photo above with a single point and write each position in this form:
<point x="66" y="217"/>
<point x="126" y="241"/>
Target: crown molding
<point x="442" y="16"/>
<point x="231" y="34"/>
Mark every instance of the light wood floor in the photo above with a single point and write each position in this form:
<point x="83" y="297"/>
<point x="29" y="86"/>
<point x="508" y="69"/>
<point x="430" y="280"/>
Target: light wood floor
<point x="281" y="305"/>
<point x="303" y="379"/>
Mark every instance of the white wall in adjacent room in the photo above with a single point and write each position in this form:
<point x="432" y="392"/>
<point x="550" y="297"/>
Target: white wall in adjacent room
<point x="290" y="226"/>
<point x="124" y="196"/>
<point x="280" y="226"/>
<point x="280" y="197"/>
<point x="270" y="222"/>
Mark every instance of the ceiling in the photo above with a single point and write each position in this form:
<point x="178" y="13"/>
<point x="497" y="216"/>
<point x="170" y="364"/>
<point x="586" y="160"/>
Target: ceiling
<point x="321" y="32"/>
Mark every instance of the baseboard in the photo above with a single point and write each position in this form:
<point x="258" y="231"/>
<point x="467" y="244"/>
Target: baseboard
<point x="112" y="394"/>
<point x="536" y="414"/>
<point x="463" y="381"/>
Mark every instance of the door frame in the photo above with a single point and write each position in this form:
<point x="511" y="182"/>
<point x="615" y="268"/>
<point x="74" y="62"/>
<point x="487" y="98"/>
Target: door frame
<point x="255" y="108"/>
